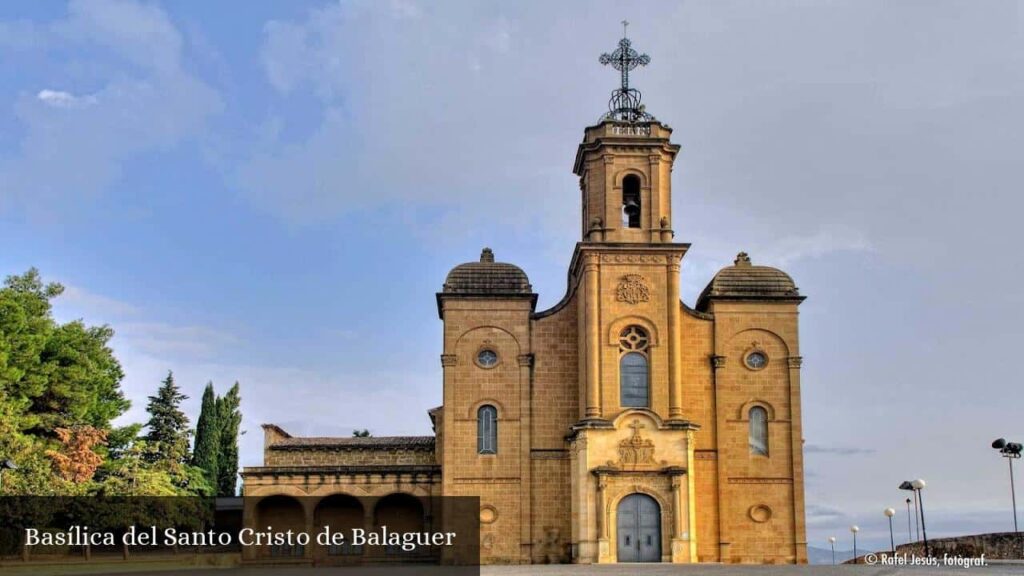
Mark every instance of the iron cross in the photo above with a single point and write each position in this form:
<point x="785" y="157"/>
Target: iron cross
<point x="624" y="58"/>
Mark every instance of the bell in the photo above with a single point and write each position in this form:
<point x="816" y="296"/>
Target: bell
<point x="631" y="208"/>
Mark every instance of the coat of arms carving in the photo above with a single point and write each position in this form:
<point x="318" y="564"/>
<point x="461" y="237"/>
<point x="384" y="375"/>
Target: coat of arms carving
<point x="632" y="289"/>
<point x="636" y="450"/>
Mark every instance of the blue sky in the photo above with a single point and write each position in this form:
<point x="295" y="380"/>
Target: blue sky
<point x="272" y="193"/>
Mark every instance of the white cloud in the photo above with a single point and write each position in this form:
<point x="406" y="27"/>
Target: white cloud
<point x="190" y="342"/>
<point x="76" y="146"/>
<point x="393" y="134"/>
<point x="79" y="301"/>
<point x="792" y="248"/>
<point x="61" y="99"/>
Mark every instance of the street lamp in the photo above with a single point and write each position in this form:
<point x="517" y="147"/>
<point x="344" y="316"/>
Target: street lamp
<point x="832" y="542"/>
<point x="918" y="485"/>
<point x="889" y="512"/>
<point x="854" y="529"/>
<point x="1010" y="451"/>
<point x="6" y="465"/>
<point x="910" y="535"/>
<point x="908" y="485"/>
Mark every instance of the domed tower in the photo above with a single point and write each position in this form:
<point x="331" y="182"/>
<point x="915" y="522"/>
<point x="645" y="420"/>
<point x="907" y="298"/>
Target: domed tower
<point x="757" y="422"/>
<point x="483" y="426"/>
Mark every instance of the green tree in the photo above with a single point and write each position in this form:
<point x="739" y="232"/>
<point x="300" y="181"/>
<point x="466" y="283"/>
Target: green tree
<point x="364" y="433"/>
<point x="168" y="425"/>
<point x="206" y="452"/>
<point x="52" y="376"/>
<point x="136" y="474"/>
<point x="57" y="375"/>
<point x="229" y="416"/>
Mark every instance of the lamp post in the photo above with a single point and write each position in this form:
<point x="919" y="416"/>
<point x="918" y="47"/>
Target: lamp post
<point x="910" y="535"/>
<point x="918" y="485"/>
<point x="832" y="542"/>
<point x="1010" y="451"/>
<point x="909" y="485"/>
<point x="5" y="465"/>
<point x="889" y="513"/>
<point x="854" y="529"/>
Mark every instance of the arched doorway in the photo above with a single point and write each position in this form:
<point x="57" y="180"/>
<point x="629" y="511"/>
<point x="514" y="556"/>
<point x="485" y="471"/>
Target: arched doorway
<point x="342" y="513"/>
<point x="638" y="529"/>
<point x="279" y="514"/>
<point x="400" y="513"/>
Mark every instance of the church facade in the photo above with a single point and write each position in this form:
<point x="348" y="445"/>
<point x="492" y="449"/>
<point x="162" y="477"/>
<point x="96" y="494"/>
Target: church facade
<point x="619" y="425"/>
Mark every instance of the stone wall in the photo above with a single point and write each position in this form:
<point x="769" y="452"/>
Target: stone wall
<point x="995" y="546"/>
<point x="349" y="457"/>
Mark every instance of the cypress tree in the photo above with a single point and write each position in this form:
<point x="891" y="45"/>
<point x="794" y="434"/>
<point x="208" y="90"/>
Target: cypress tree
<point x="206" y="452"/>
<point x="168" y="425"/>
<point x="229" y="416"/>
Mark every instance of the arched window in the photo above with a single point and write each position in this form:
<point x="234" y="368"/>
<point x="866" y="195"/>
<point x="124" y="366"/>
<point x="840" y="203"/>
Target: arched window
<point x="758" y="431"/>
<point x="634" y="391"/>
<point x="631" y="201"/>
<point x="487" y="430"/>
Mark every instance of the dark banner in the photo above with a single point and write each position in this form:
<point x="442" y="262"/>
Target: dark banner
<point x="421" y="535"/>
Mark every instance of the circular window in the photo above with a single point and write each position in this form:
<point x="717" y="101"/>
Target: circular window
<point x="487" y="358"/>
<point x="633" y="338"/>
<point x="756" y="360"/>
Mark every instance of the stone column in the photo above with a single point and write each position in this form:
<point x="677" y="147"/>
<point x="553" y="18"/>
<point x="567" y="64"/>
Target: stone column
<point x="654" y="198"/>
<point x="679" y="550"/>
<point x="675" y="368"/>
<point x="309" y="510"/>
<point x="603" y="551"/>
<point x="797" y="443"/>
<point x="724" y="533"/>
<point x="368" y="521"/>
<point x="249" y="504"/>
<point x="526" y="443"/>
<point x="678" y="527"/>
<point x="590" y="275"/>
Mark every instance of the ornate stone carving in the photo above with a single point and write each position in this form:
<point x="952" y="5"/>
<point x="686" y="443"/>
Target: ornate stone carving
<point x="525" y="360"/>
<point x="636" y="450"/>
<point x="795" y="361"/>
<point x="448" y="360"/>
<point x="632" y="289"/>
<point x="717" y="362"/>
<point x="633" y="259"/>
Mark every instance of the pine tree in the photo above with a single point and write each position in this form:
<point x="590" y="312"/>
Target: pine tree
<point x="168" y="425"/>
<point x="229" y="416"/>
<point x="206" y="452"/>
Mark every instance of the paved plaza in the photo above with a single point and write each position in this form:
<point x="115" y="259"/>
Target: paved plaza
<point x="727" y="570"/>
<point x="621" y="570"/>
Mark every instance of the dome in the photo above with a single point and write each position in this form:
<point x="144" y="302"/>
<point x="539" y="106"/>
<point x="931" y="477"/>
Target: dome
<point x="487" y="277"/>
<point x="744" y="281"/>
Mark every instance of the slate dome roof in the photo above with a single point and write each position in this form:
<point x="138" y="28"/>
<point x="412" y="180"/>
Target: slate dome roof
<point x="487" y="277"/>
<point x="744" y="281"/>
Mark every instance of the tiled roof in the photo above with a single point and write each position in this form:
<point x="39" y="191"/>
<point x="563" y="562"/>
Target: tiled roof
<point x="744" y="281"/>
<point x="487" y="277"/>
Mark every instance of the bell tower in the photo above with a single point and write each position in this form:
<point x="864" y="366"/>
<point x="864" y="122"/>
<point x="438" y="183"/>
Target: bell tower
<point x="625" y="165"/>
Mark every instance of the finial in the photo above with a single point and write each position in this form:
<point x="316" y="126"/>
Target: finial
<point x="742" y="259"/>
<point x="625" y="101"/>
<point x="486" y="255"/>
